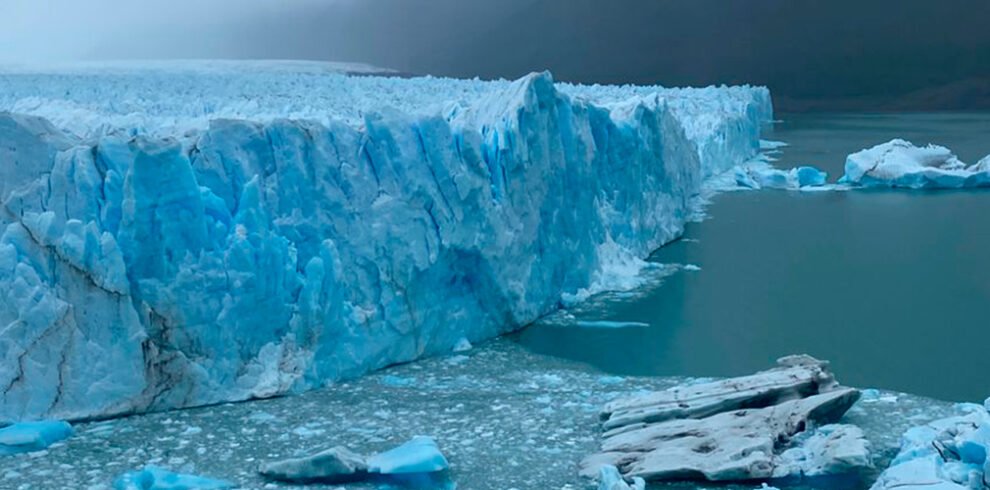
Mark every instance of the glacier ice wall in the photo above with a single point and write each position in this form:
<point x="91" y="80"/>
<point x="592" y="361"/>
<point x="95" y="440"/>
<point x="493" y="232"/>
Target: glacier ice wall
<point x="150" y="261"/>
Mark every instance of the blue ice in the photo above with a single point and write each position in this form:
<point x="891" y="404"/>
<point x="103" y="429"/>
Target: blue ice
<point x="25" y="437"/>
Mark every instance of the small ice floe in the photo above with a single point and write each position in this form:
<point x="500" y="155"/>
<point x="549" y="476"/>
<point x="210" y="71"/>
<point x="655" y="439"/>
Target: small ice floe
<point x="739" y="429"/>
<point x="305" y="431"/>
<point x="462" y="345"/>
<point x="420" y="455"/>
<point x="27" y="437"/>
<point x="419" y="459"/>
<point x="609" y="324"/>
<point x="899" y="163"/>
<point x="155" y="478"/>
<point x="764" y="176"/>
<point x="692" y="267"/>
<point x="396" y="381"/>
<point x="876" y="396"/>
<point x="947" y="454"/>
<point x="609" y="478"/>
<point x="772" y="145"/>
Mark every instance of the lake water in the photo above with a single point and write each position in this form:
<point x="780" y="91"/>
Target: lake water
<point x="893" y="287"/>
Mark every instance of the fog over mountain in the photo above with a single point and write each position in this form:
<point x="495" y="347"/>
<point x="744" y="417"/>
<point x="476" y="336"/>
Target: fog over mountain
<point x="813" y="54"/>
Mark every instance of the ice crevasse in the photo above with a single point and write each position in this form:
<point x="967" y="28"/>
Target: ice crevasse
<point x="150" y="260"/>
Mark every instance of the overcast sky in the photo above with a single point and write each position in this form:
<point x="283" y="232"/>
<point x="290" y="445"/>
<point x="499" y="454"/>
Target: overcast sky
<point x="800" y="48"/>
<point x="64" y="30"/>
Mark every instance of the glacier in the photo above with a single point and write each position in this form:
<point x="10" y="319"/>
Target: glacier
<point x="183" y="235"/>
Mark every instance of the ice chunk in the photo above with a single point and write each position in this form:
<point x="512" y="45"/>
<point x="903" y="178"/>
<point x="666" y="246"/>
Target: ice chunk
<point x="771" y="178"/>
<point x="462" y="345"/>
<point x="792" y="378"/>
<point x="810" y="177"/>
<point x="769" y="145"/>
<point x="947" y="454"/>
<point x="747" y="428"/>
<point x="27" y="437"/>
<point x="336" y="465"/>
<point x="417" y="459"/>
<point x="899" y="163"/>
<point x="610" y="479"/>
<point x="760" y="175"/>
<point x="833" y="449"/>
<point x="155" y="478"/>
<point x="744" y="178"/>
<point x="419" y="455"/>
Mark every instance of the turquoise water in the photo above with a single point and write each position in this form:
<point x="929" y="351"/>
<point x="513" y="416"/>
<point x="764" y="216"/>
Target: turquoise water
<point x="893" y="287"/>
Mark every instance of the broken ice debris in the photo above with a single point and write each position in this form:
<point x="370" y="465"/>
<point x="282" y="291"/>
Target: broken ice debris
<point x="947" y="454"/>
<point x="25" y="437"/>
<point x="610" y="479"/>
<point x="766" y="177"/>
<point x="155" y="478"/>
<point x="828" y="450"/>
<point x="748" y="428"/>
<point x="419" y="456"/>
<point x="899" y="163"/>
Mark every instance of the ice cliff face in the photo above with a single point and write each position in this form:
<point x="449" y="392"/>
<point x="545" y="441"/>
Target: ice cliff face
<point x="151" y="261"/>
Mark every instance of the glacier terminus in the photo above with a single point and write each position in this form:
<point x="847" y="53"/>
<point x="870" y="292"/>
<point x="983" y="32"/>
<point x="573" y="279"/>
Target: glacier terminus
<point x="216" y="232"/>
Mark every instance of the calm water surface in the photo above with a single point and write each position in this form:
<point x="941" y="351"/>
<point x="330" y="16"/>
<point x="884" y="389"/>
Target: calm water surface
<point x="892" y="286"/>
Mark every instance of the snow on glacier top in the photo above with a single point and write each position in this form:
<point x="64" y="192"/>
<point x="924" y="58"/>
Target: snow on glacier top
<point x="202" y="66"/>
<point x="175" y="97"/>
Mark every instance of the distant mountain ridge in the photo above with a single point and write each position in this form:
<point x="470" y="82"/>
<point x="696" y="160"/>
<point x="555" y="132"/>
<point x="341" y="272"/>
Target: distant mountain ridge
<point x="971" y="94"/>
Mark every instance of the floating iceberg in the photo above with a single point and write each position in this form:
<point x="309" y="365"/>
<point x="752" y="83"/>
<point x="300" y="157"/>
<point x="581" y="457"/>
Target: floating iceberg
<point x="419" y="455"/>
<point x="776" y="424"/>
<point x="899" y="163"/>
<point x="155" y="478"/>
<point x="27" y="437"/>
<point x="947" y="454"/>
<point x="207" y="236"/>
<point x="418" y="459"/>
